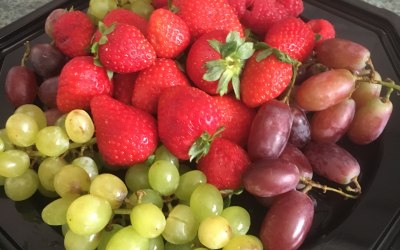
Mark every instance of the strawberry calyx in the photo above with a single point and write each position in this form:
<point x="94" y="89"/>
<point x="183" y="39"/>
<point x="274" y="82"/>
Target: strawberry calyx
<point x="202" y="145"/>
<point x="234" y="53"/>
<point x="104" y="31"/>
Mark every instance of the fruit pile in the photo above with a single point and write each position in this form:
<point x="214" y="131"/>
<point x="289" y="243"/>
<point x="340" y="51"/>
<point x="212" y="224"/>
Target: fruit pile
<point x="142" y="119"/>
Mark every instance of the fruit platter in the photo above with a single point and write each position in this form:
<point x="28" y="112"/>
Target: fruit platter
<point x="200" y="124"/>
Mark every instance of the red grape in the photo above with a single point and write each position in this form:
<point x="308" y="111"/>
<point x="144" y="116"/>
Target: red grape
<point x="370" y="120"/>
<point x="21" y="86"/>
<point x="331" y="124"/>
<point x="365" y="91"/>
<point x="340" y="53"/>
<point x="331" y="161"/>
<point x="270" y="177"/>
<point x="47" y="61"/>
<point x="270" y="130"/>
<point x="296" y="156"/>
<point x="51" y="19"/>
<point x="48" y="91"/>
<point x="287" y="222"/>
<point x="325" y="89"/>
<point x="300" y="133"/>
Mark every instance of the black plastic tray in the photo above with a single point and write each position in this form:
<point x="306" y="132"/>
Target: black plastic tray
<point x="371" y="222"/>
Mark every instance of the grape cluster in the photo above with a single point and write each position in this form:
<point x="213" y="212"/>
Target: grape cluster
<point x="152" y="204"/>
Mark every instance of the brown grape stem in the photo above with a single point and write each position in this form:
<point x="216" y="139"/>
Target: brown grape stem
<point x="26" y="53"/>
<point x="75" y="145"/>
<point x="295" y="69"/>
<point x="357" y="188"/>
<point x="312" y="184"/>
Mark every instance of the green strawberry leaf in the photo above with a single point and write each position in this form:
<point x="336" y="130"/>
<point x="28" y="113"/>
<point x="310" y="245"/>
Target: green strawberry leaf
<point x="234" y="53"/>
<point x="201" y="146"/>
<point x="216" y="45"/>
<point x="245" y="51"/>
<point x="110" y="74"/>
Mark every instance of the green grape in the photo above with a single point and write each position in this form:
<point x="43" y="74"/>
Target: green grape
<point x="47" y="170"/>
<point x="73" y="241"/>
<point x="2" y="180"/>
<point x="107" y="234"/>
<point x="88" y="164"/>
<point x="137" y="177"/>
<point x="162" y="153"/>
<point x="148" y="220"/>
<point x="79" y="126"/>
<point x="164" y="177"/>
<point x="88" y="214"/>
<point x="99" y="8"/>
<point x="181" y="225"/>
<point x="22" y="187"/>
<point x="206" y="200"/>
<point x="60" y="122"/>
<point x="52" y="141"/>
<point x="238" y="218"/>
<point x="127" y="239"/>
<point x="145" y="196"/>
<point x="4" y="137"/>
<point x="71" y="180"/>
<point x="110" y="188"/>
<point x="54" y="213"/>
<point x="156" y="243"/>
<point x="21" y="129"/>
<point x="2" y="145"/>
<point x="47" y="193"/>
<point x="142" y="8"/>
<point x="170" y="246"/>
<point x="13" y="163"/>
<point x="35" y="112"/>
<point x="188" y="182"/>
<point x="241" y="242"/>
<point x="214" y="232"/>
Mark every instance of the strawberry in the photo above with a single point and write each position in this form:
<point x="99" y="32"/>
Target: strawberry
<point x="215" y="61"/>
<point x="168" y="33"/>
<point x="124" y="49"/>
<point x="224" y="164"/>
<point x="150" y="82"/>
<point x="79" y="81"/>
<point x="123" y="87"/>
<point x="260" y="15"/>
<point x="263" y="80"/>
<point x="236" y="119"/>
<point x="125" y="135"/>
<point x="72" y="33"/>
<point x="184" y="113"/>
<point x="120" y="15"/>
<point x="203" y="16"/>
<point x="292" y="36"/>
<point x="322" y="28"/>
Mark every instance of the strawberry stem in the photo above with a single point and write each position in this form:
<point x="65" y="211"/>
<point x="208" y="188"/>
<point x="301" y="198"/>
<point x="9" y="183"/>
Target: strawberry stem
<point x="202" y="145"/>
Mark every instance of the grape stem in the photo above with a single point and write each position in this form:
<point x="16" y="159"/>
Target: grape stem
<point x="122" y="211"/>
<point x="26" y="53"/>
<point x="312" y="184"/>
<point x="295" y="69"/>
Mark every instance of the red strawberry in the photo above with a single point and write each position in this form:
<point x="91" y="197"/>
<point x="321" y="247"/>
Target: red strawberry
<point x="260" y="15"/>
<point x="322" y="28"/>
<point x="184" y="113"/>
<point x="123" y="87"/>
<point x="120" y="15"/>
<point x="264" y="80"/>
<point x="125" y="135"/>
<point x="162" y="74"/>
<point x="168" y="33"/>
<point x="215" y="61"/>
<point x="125" y="49"/>
<point x="236" y="119"/>
<point x="291" y="36"/>
<point x="72" y="33"/>
<point x="80" y="80"/>
<point x="203" y="16"/>
<point x="224" y="164"/>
